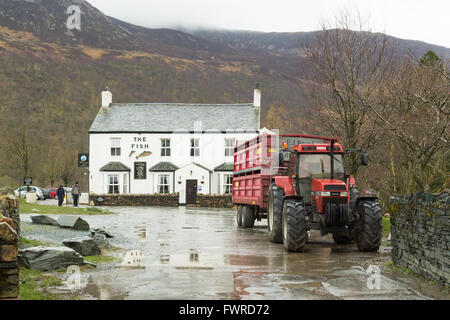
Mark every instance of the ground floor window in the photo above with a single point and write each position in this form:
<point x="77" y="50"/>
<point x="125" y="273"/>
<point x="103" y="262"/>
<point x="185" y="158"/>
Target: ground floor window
<point x="163" y="183"/>
<point x="227" y="183"/>
<point x="113" y="183"/>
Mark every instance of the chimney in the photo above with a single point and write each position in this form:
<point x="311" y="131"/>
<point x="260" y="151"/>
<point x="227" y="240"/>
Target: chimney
<point x="257" y="97"/>
<point x="257" y="103"/>
<point x="106" y="97"/>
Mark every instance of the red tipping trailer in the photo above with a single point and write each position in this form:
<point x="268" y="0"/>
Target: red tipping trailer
<point x="298" y="182"/>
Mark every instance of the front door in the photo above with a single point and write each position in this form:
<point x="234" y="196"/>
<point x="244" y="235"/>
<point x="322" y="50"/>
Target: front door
<point x="191" y="191"/>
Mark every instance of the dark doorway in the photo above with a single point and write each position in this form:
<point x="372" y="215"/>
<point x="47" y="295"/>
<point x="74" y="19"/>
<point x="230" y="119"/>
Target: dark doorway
<point x="191" y="191"/>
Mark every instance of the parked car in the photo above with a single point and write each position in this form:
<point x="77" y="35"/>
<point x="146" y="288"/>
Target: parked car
<point x="46" y="193"/>
<point x="23" y="190"/>
<point x="52" y="192"/>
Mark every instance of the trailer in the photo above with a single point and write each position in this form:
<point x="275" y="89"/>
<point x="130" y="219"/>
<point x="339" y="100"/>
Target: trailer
<point x="298" y="182"/>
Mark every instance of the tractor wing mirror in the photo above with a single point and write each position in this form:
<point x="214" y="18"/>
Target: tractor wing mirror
<point x="364" y="159"/>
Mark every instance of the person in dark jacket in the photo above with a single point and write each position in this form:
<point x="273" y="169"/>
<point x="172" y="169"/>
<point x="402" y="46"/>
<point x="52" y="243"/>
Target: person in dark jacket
<point x="60" y="193"/>
<point x="76" y="191"/>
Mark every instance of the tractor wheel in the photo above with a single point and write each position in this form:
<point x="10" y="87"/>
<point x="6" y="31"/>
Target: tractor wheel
<point x="341" y="238"/>
<point x="248" y="218"/>
<point x="295" y="232"/>
<point x="275" y="213"/>
<point x="368" y="236"/>
<point x="239" y="215"/>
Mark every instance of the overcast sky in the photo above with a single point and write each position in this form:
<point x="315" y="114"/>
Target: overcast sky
<point x="426" y="20"/>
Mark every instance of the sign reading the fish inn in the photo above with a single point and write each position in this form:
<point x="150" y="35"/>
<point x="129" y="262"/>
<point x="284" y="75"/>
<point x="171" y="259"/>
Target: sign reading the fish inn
<point x="140" y="170"/>
<point x="139" y="143"/>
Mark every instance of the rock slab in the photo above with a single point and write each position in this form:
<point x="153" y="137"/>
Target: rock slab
<point x="49" y="258"/>
<point x="85" y="247"/>
<point x="43" y="219"/>
<point x="73" y="222"/>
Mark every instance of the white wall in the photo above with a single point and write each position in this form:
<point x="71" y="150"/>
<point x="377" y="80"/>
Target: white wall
<point x="212" y="154"/>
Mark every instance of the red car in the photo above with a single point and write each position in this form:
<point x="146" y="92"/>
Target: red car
<point x="52" y="192"/>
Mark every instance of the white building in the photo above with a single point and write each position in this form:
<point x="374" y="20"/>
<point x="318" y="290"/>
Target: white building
<point x="166" y="147"/>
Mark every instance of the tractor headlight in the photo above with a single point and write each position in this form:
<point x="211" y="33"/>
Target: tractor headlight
<point x="324" y="193"/>
<point x="344" y="194"/>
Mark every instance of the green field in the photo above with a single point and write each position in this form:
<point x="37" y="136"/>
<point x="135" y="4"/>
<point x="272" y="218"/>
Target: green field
<point x="25" y="207"/>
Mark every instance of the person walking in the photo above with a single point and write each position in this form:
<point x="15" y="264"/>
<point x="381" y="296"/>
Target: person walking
<point x="60" y="193"/>
<point x="76" y="194"/>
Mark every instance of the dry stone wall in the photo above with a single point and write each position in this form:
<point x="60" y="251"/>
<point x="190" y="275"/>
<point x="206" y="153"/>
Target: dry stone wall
<point x="420" y="235"/>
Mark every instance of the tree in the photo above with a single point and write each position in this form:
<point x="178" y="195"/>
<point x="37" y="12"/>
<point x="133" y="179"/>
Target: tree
<point x="66" y="167"/>
<point x="22" y="149"/>
<point x="350" y="67"/>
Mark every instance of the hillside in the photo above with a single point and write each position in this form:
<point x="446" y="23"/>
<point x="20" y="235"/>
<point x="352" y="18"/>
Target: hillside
<point x="51" y="78"/>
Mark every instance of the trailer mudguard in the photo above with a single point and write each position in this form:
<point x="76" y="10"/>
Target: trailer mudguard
<point x="285" y="183"/>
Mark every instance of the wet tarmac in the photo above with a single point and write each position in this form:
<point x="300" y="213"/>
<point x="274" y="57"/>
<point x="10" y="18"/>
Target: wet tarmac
<point x="184" y="253"/>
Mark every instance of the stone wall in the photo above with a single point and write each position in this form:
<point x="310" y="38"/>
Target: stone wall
<point x="214" y="201"/>
<point x="144" y="200"/>
<point x="9" y="238"/>
<point x="420" y="235"/>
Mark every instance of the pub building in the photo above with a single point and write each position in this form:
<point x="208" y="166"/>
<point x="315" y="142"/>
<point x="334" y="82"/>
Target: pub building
<point x="148" y="148"/>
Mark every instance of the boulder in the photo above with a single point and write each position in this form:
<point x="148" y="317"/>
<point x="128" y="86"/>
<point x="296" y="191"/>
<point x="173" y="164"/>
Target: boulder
<point x="7" y="233"/>
<point x="49" y="258"/>
<point x="101" y="231"/>
<point x="85" y="247"/>
<point x="100" y="240"/>
<point x="8" y="221"/>
<point x="43" y="219"/>
<point x="73" y="222"/>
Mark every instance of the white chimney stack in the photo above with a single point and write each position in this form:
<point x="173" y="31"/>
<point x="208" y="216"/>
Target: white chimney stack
<point x="257" y="97"/>
<point x="106" y="97"/>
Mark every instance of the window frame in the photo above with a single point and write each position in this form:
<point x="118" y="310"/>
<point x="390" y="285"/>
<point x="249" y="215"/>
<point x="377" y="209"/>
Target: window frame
<point x="115" y="148"/>
<point x="195" y="147"/>
<point x="114" y="185"/>
<point x="165" y="150"/>
<point x="227" y="186"/>
<point x="229" y="149"/>
<point x="125" y="183"/>
<point x="164" y="185"/>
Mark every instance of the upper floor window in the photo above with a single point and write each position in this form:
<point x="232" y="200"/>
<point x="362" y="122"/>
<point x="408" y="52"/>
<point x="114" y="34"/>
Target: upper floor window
<point x="229" y="147"/>
<point x="165" y="147"/>
<point x="115" y="146"/>
<point x="195" y="147"/>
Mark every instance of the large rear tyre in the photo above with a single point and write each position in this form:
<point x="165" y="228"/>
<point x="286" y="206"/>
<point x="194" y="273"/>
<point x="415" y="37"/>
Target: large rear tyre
<point x="370" y="226"/>
<point x="275" y="213"/>
<point x="239" y="215"/>
<point x="295" y="231"/>
<point x="248" y="218"/>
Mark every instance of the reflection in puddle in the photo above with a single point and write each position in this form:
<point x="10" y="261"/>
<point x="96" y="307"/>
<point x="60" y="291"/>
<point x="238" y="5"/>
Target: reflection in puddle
<point x="193" y="256"/>
<point x="164" y="258"/>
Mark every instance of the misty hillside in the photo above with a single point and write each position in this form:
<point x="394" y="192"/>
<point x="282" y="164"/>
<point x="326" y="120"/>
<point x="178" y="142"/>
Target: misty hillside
<point x="51" y="78"/>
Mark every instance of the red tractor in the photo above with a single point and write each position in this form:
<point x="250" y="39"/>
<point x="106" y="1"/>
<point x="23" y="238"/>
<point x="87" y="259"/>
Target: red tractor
<point x="303" y="187"/>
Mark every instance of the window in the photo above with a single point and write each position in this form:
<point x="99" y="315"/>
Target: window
<point x="163" y="183"/>
<point x="195" y="150"/>
<point x="227" y="183"/>
<point x="113" y="183"/>
<point x="229" y="147"/>
<point x="165" y="147"/>
<point x="125" y="183"/>
<point x="115" y="146"/>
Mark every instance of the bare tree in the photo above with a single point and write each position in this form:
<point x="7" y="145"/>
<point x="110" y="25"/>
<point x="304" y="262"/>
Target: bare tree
<point x="350" y="64"/>
<point x="22" y="148"/>
<point x="66" y="167"/>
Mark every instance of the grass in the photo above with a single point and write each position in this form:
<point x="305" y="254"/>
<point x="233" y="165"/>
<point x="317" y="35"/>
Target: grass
<point x="386" y="226"/>
<point x="33" y="243"/>
<point x="25" y="207"/>
<point x="35" y="285"/>
<point x="391" y="265"/>
<point x="100" y="259"/>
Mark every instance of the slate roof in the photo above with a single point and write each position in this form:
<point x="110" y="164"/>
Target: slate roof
<point x="115" y="166"/>
<point x="169" y="117"/>
<point x="164" y="166"/>
<point x="226" y="166"/>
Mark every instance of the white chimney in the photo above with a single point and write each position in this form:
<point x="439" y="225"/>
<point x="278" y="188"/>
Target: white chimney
<point x="257" y="97"/>
<point x="257" y="103"/>
<point x="106" y="97"/>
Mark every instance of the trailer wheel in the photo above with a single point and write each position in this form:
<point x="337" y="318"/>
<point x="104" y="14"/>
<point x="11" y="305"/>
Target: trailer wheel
<point x="239" y="215"/>
<point x="370" y="227"/>
<point x="275" y="213"/>
<point x="295" y="231"/>
<point x="248" y="218"/>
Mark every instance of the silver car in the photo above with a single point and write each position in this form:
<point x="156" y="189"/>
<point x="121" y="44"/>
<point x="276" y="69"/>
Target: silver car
<point x="22" y="191"/>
